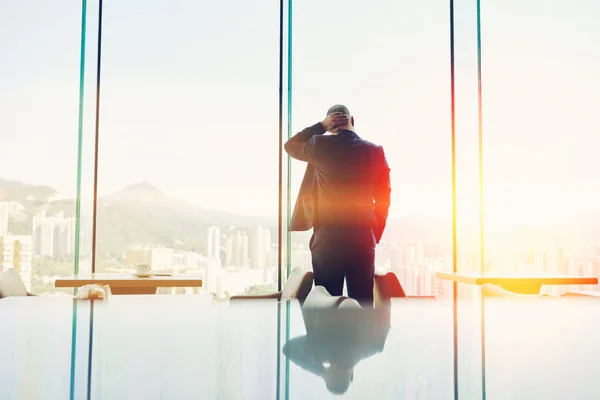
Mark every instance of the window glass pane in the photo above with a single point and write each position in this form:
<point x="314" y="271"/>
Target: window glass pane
<point x="39" y="100"/>
<point x="388" y="62"/>
<point x="541" y="96"/>
<point x="392" y="71"/>
<point x="188" y="166"/>
<point x="541" y="133"/>
<point x="188" y="169"/>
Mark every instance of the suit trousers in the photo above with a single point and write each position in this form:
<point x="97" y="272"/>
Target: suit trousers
<point x="355" y="264"/>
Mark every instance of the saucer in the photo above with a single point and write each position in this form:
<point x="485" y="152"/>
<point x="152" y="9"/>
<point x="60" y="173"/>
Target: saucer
<point x="142" y="275"/>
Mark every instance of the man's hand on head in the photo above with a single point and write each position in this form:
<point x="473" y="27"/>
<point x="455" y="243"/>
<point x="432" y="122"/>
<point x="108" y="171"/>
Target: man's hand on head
<point x="334" y="121"/>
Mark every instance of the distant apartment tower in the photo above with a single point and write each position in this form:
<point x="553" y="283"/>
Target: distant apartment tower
<point x="213" y="248"/>
<point x="240" y="258"/>
<point x="236" y="249"/>
<point x="229" y="251"/>
<point x="260" y="247"/>
<point x="213" y="274"/>
<point x="301" y="258"/>
<point x="15" y="252"/>
<point x="380" y="255"/>
<point x="4" y="208"/>
<point x="14" y="207"/>
<point x="43" y="235"/>
<point x="420" y="253"/>
<point x="55" y="236"/>
<point x="187" y="259"/>
<point x="64" y="234"/>
<point x="85" y="235"/>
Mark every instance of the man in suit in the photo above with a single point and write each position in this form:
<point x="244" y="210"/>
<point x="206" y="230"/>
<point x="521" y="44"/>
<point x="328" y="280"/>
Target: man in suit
<point x="344" y="197"/>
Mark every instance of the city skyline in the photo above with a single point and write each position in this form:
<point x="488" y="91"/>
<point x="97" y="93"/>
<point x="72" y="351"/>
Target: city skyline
<point x="238" y="260"/>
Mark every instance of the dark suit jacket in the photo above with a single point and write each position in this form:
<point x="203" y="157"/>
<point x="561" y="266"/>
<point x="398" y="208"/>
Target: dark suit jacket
<point x="346" y="185"/>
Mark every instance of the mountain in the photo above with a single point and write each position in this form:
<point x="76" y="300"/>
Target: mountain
<point x="33" y="198"/>
<point x="146" y="197"/>
<point x="138" y="214"/>
<point x="143" y="214"/>
<point x="26" y="194"/>
<point x="5" y="184"/>
<point x="143" y="192"/>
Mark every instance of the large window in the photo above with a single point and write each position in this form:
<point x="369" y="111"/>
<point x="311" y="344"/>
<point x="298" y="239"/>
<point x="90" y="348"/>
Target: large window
<point x="540" y="124"/>
<point x="188" y="152"/>
<point x="150" y="133"/>
<point x="40" y="89"/>
<point x="188" y="162"/>
<point x="389" y="65"/>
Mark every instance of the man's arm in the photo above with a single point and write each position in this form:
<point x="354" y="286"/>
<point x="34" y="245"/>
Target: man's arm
<point x="381" y="195"/>
<point x="300" y="146"/>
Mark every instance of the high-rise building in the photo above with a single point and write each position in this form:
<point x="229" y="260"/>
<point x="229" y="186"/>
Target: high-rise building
<point x="236" y="248"/>
<point x="420" y="253"/>
<point x="14" y="207"/>
<point x="4" y="211"/>
<point x="63" y="237"/>
<point x="85" y="236"/>
<point x="240" y="247"/>
<point x="187" y="259"/>
<point x="43" y="235"/>
<point x="273" y="258"/>
<point x="213" y="275"/>
<point x="404" y="256"/>
<point x="229" y="251"/>
<point x="380" y="255"/>
<point x="260" y="247"/>
<point x="213" y="248"/>
<point x="301" y="258"/>
<point x="396" y="257"/>
<point x="55" y="236"/>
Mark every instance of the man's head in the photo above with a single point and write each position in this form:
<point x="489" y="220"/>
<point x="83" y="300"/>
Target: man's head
<point x="338" y="108"/>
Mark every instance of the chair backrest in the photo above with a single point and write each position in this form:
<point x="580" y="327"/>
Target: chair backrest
<point x="11" y="284"/>
<point x="319" y="297"/>
<point x="385" y="287"/>
<point x="319" y="304"/>
<point x="298" y="285"/>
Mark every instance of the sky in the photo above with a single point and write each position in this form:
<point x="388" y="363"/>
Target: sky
<point x="189" y="99"/>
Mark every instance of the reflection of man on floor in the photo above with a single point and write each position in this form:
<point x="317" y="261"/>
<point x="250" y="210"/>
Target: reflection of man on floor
<point x="339" y="335"/>
<point x="345" y="197"/>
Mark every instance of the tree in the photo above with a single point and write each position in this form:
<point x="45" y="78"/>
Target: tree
<point x="257" y="290"/>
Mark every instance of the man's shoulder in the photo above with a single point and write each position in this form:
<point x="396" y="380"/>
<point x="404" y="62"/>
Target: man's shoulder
<point x="330" y="142"/>
<point x="334" y="138"/>
<point x="371" y="144"/>
<point x="368" y="143"/>
<point x="373" y="147"/>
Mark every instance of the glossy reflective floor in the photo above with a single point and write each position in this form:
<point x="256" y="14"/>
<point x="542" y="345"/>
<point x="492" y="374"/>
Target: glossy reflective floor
<point x="179" y="347"/>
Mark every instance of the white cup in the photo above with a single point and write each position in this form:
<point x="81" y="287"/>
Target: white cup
<point x="142" y="269"/>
